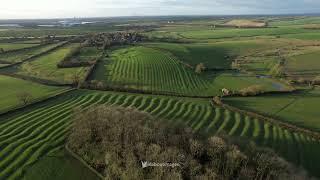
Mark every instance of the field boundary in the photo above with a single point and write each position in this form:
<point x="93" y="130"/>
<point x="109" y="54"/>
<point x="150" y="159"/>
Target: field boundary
<point x="37" y="80"/>
<point x="23" y="49"/>
<point x="76" y="156"/>
<point x="93" y="67"/>
<point x="248" y="36"/>
<point x="264" y="93"/>
<point x="35" y="102"/>
<point x="271" y="120"/>
<point x="36" y="55"/>
<point x="139" y="91"/>
<point x="90" y="86"/>
<point x="295" y="99"/>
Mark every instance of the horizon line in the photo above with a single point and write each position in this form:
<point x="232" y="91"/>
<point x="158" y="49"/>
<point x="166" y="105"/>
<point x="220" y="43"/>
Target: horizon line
<point x="177" y="15"/>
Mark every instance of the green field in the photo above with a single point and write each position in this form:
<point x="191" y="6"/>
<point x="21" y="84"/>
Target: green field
<point x="238" y="81"/>
<point x="29" y="135"/>
<point x="88" y="53"/>
<point x="213" y="55"/>
<point x="45" y="67"/>
<point x="154" y="70"/>
<point x="304" y="65"/>
<point x="11" y="87"/>
<point x="300" y="109"/>
<point x="303" y="36"/>
<point x="15" y="46"/>
<point x="18" y="56"/>
<point x="149" y="69"/>
<point x="58" y="31"/>
<point x="236" y="33"/>
<point x="32" y="139"/>
<point x="58" y="165"/>
<point x="295" y="21"/>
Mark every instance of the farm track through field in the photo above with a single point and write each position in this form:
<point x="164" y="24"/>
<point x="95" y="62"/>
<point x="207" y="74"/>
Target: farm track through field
<point x="27" y="137"/>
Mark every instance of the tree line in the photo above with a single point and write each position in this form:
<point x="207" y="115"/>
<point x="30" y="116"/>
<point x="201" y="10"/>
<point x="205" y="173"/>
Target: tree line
<point x="116" y="140"/>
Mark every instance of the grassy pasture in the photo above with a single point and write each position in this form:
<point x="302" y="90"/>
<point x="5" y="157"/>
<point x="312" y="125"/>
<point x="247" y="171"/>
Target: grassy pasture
<point x="45" y="67"/>
<point x="58" y="31"/>
<point x="29" y="41"/>
<point x="300" y="109"/>
<point x="88" y="53"/>
<point x="213" y="55"/>
<point x="4" y="65"/>
<point x="29" y="135"/>
<point x="58" y="165"/>
<point x="236" y="32"/>
<point x="11" y="87"/>
<point x="194" y="54"/>
<point x="182" y="28"/>
<point x="237" y="81"/>
<point x="18" y="56"/>
<point x="31" y="140"/>
<point x="261" y="66"/>
<point x="15" y="46"/>
<point x="303" y="36"/>
<point x="294" y="21"/>
<point x="305" y="65"/>
<point x="149" y="69"/>
<point x="32" y="32"/>
<point x="154" y="70"/>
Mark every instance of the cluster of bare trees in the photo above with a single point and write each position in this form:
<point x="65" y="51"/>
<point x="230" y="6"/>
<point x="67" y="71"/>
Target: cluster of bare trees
<point x="252" y="90"/>
<point x="71" y="60"/>
<point x="315" y="81"/>
<point x="115" y="141"/>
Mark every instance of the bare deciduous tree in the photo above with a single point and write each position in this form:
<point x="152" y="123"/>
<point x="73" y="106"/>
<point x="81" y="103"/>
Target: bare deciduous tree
<point x="199" y="68"/>
<point x="115" y="140"/>
<point x="76" y="79"/>
<point x="24" y="97"/>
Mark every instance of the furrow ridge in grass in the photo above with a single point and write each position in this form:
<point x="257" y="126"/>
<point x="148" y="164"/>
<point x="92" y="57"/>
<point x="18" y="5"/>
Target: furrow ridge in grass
<point x="13" y="122"/>
<point x="26" y="129"/>
<point x="227" y="117"/>
<point x="236" y="124"/>
<point x="35" y="134"/>
<point x="207" y="117"/>
<point x="58" y="125"/>
<point x="217" y="116"/>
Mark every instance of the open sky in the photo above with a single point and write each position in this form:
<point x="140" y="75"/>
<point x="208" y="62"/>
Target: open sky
<point x="13" y="9"/>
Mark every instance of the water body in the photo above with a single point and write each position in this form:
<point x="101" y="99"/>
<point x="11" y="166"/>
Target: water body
<point x="276" y="85"/>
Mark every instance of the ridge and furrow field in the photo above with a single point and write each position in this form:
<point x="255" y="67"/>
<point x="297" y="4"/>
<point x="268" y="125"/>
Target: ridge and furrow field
<point x="27" y="136"/>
